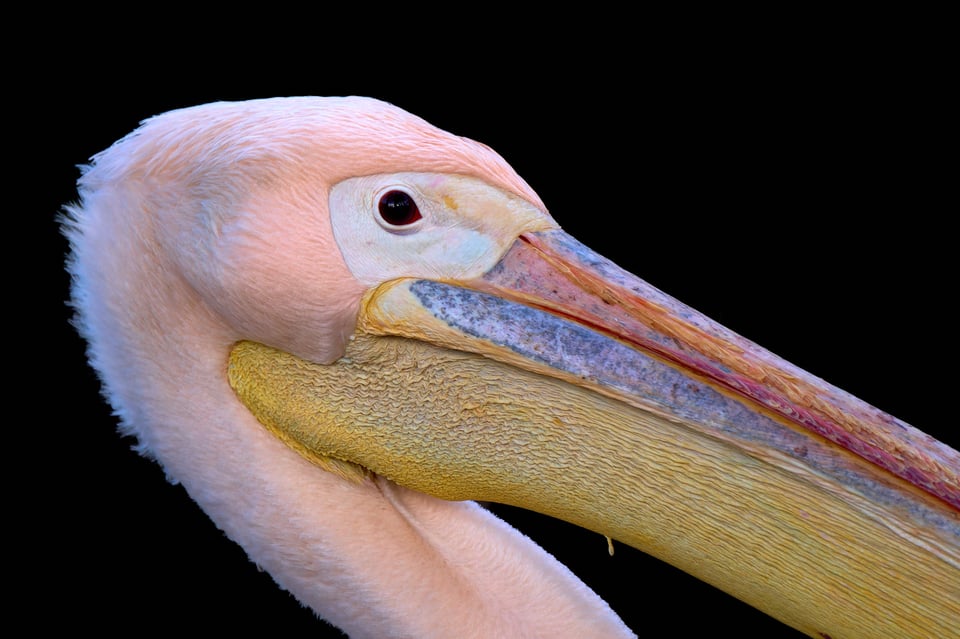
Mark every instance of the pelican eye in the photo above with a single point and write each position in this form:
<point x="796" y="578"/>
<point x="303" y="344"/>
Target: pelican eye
<point x="397" y="208"/>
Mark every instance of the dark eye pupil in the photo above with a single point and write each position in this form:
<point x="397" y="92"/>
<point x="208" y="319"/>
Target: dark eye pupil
<point x="398" y="208"/>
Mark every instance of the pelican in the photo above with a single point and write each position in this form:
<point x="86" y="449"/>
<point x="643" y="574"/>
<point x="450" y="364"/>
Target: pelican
<point x="340" y="327"/>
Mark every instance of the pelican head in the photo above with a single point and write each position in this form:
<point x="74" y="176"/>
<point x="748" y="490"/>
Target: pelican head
<point x="339" y="326"/>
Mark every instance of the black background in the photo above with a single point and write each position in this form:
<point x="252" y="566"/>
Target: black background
<point x="796" y="193"/>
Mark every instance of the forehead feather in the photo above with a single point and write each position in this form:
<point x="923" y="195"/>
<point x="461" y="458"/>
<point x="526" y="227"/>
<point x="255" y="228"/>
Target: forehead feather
<point x="327" y="138"/>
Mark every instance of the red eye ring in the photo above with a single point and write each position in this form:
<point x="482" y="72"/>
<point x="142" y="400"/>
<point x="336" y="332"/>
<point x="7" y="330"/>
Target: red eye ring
<point x="397" y="208"/>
